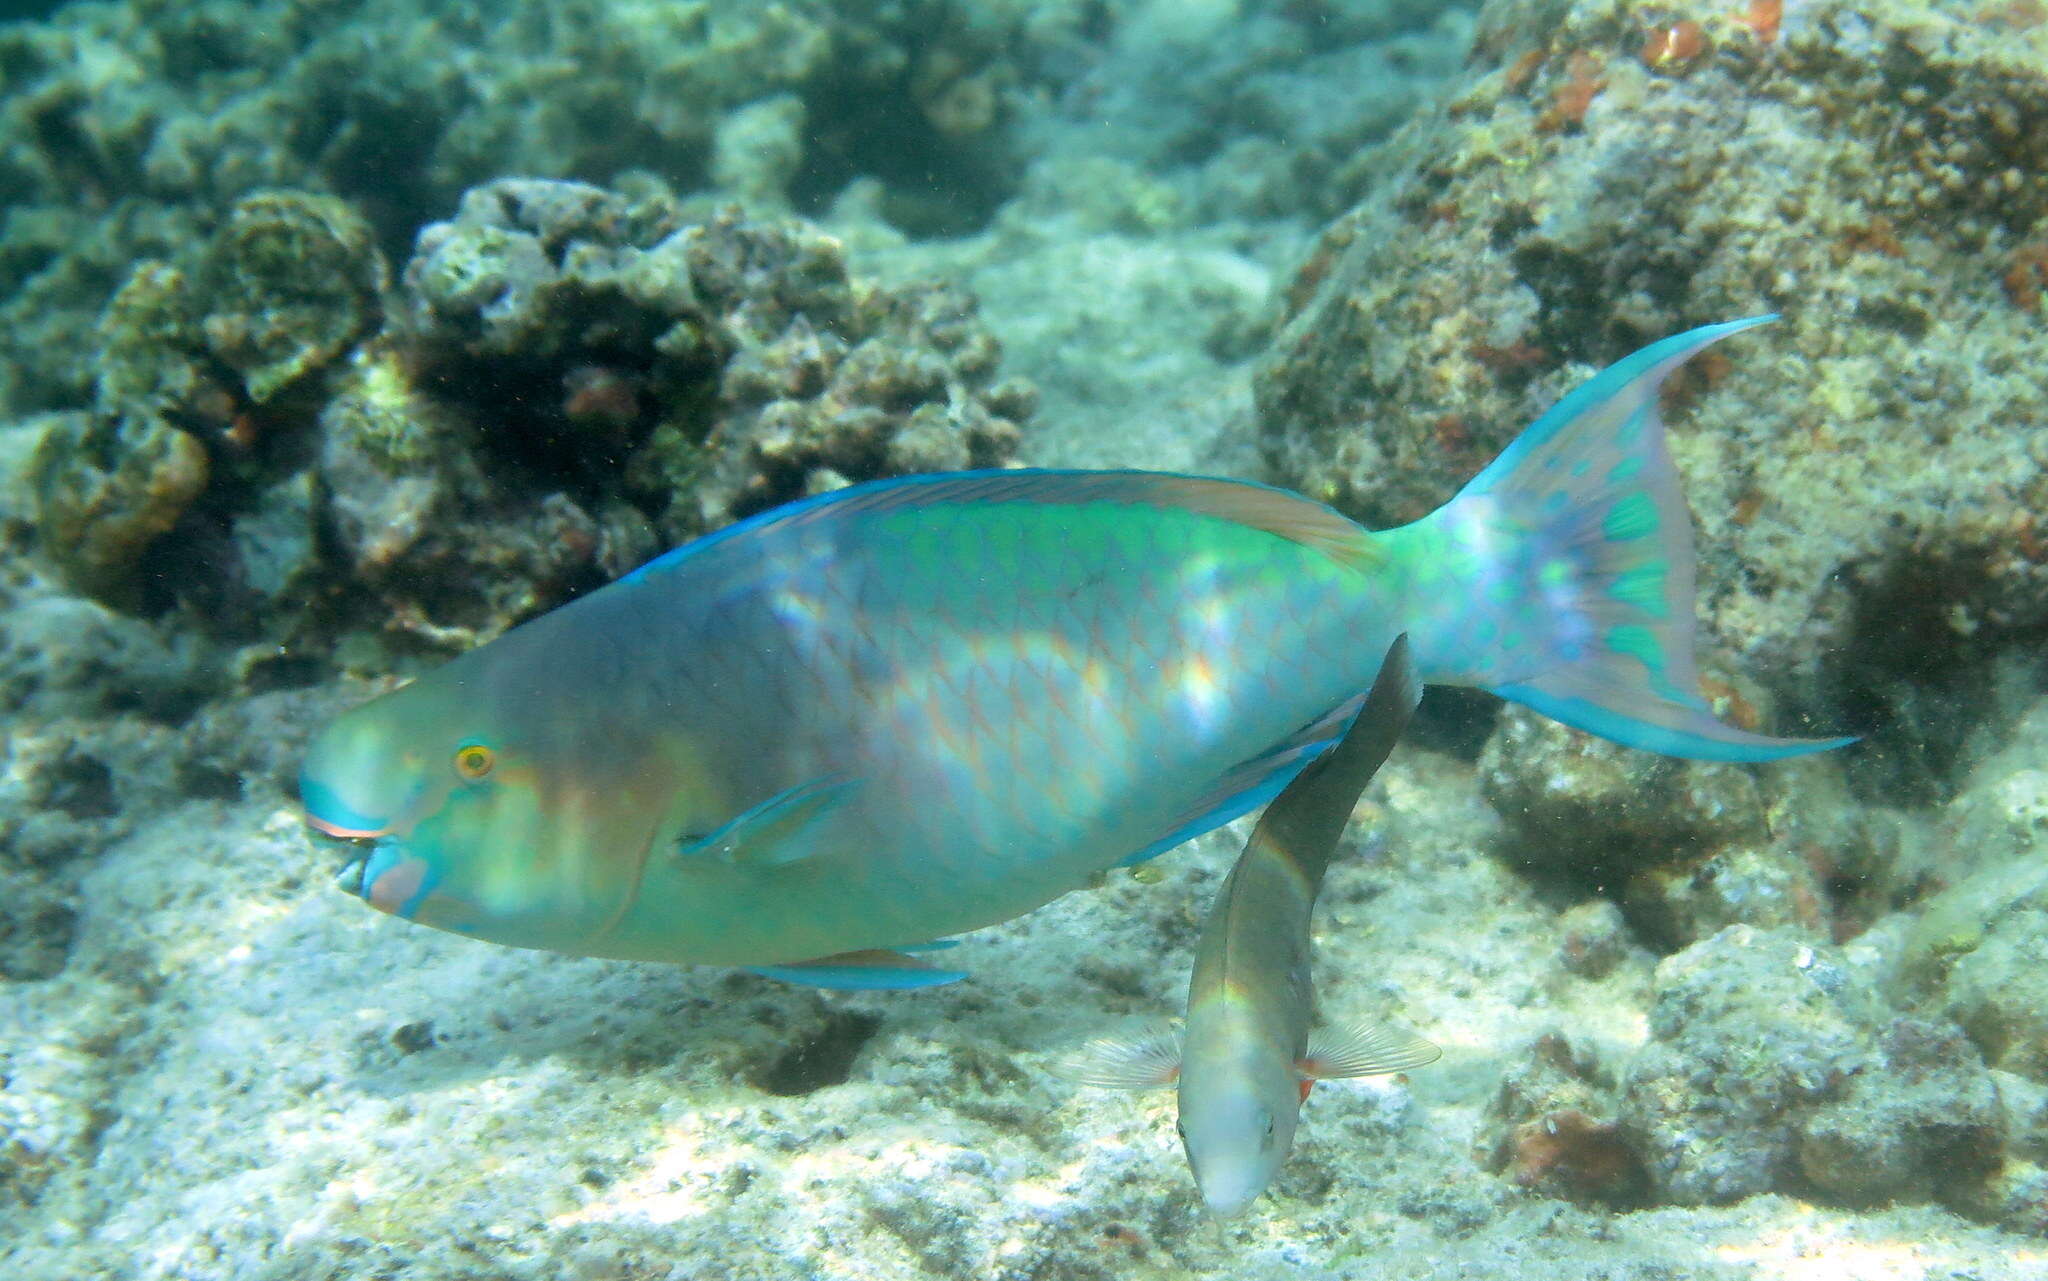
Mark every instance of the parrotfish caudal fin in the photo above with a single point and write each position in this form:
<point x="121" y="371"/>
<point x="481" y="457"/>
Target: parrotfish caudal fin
<point x="1586" y="535"/>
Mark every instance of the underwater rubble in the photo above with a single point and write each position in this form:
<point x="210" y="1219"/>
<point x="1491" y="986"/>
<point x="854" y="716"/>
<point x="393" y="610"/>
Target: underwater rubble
<point x="129" y="129"/>
<point x="562" y="381"/>
<point x="302" y="389"/>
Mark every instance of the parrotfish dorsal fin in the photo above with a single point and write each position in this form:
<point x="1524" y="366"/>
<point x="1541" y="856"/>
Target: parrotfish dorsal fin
<point x="1363" y="1049"/>
<point x="1277" y="511"/>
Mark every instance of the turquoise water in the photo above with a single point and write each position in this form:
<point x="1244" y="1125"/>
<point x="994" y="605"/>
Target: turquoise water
<point x="339" y="338"/>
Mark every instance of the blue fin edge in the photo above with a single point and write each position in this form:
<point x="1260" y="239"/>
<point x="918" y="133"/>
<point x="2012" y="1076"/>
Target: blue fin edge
<point x="857" y="978"/>
<point x="1630" y="732"/>
<point x="1600" y="387"/>
<point x="1234" y="806"/>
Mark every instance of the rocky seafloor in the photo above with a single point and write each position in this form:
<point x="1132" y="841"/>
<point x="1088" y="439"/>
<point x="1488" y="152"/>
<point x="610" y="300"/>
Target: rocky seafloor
<point x="341" y="340"/>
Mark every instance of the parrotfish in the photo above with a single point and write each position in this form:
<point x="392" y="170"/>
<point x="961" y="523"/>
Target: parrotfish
<point x="914" y="707"/>
<point x="1246" y="1058"/>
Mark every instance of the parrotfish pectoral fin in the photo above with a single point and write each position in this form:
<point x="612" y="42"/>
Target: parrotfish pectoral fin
<point x="873" y="970"/>
<point x="1147" y="1060"/>
<point x="1250" y="783"/>
<point x="1363" y="1049"/>
<point x="771" y="834"/>
<point x="1605" y="541"/>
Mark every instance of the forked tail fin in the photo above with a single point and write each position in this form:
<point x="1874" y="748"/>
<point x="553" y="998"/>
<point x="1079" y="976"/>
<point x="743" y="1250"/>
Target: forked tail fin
<point x="1584" y="522"/>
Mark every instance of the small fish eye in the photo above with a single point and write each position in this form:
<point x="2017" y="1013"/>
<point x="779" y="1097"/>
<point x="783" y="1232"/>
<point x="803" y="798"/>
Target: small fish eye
<point x="1269" y="1125"/>
<point x="474" y="760"/>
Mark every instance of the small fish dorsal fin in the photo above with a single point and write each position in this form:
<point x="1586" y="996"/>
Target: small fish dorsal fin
<point x="1279" y="512"/>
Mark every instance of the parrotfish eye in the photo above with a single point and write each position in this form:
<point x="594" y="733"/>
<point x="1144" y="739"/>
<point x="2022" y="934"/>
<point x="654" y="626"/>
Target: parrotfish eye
<point x="474" y="760"/>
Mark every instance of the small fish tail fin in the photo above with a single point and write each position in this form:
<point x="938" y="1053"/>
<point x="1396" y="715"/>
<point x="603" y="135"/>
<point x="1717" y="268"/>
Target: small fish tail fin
<point x="1584" y="608"/>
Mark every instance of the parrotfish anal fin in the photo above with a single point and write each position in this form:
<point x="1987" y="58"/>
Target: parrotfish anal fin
<point x="1277" y="511"/>
<point x="1144" y="1060"/>
<point x="1250" y="783"/>
<point x="873" y="970"/>
<point x="935" y="945"/>
<point x="1591" y="500"/>
<point x="1363" y="1049"/>
<point x="772" y="833"/>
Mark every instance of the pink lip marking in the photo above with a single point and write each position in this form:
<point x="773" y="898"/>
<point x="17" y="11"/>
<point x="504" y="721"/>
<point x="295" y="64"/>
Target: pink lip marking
<point x="397" y="888"/>
<point x="335" y="829"/>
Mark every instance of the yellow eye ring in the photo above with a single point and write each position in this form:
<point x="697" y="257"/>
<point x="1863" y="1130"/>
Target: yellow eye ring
<point x="474" y="760"/>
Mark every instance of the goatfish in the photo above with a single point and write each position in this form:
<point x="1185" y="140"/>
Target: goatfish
<point x="909" y="708"/>
<point x="1244" y="1060"/>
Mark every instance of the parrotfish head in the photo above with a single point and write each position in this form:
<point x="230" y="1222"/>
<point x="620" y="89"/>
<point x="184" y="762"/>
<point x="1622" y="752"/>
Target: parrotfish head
<point x="476" y="829"/>
<point x="1237" y="1124"/>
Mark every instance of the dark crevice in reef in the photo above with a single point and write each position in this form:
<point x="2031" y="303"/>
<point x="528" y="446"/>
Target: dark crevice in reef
<point x="825" y="1057"/>
<point x="1454" y="720"/>
<point x="1918" y="677"/>
<point x="934" y="184"/>
<point x="83" y="787"/>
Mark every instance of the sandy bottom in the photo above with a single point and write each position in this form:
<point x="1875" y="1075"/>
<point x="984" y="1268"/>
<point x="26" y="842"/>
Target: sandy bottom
<point x="244" y="1073"/>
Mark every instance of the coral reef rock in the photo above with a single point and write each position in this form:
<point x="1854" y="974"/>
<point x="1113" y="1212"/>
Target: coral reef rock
<point x="1774" y="1066"/>
<point x="1867" y="509"/>
<point x="721" y="367"/>
<point x="567" y="379"/>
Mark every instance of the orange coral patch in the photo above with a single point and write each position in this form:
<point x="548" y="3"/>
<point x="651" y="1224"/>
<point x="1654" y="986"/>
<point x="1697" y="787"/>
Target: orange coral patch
<point x="1675" y="48"/>
<point x="1762" y="18"/>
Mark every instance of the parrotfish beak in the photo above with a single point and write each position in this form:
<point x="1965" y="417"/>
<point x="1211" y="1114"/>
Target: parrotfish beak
<point x="394" y="881"/>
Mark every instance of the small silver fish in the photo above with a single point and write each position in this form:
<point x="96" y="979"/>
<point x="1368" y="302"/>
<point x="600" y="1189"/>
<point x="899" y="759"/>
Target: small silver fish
<point x="1246" y="1059"/>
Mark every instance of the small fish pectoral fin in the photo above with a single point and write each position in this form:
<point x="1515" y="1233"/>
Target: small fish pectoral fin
<point x="772" y="833"/>
<point x="872" y="970"/>
<point x="1363" y="1049"/>
<point x="1145" y="1060"/>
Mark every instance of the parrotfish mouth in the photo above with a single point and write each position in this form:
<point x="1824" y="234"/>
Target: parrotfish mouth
<point x="385" y="876"/>
<point x="345" y="833"/>
<point x="393" y="880"/>
<point x="349" y="880"/>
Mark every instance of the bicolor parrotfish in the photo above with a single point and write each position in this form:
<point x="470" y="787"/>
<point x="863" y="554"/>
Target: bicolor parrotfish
<point x="919" y="706"/>
<point x="1245" y="1058"/>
